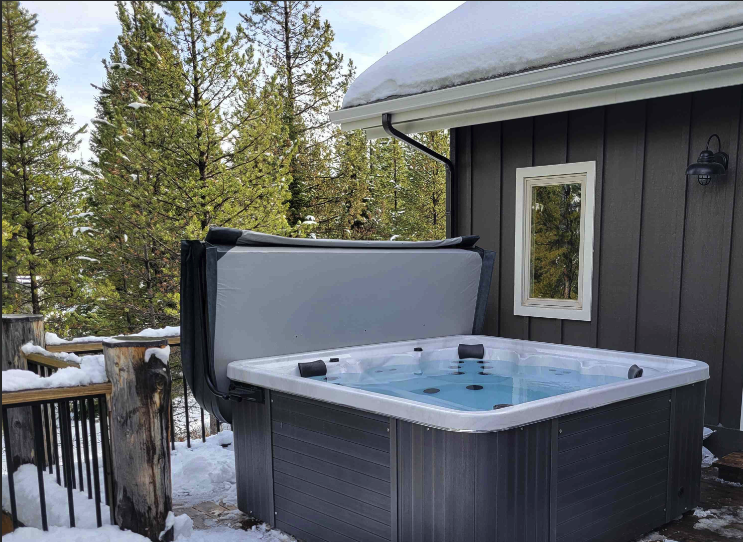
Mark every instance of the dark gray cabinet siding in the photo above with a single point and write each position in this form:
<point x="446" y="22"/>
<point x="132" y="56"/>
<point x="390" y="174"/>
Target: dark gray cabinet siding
<point x="668" y="253"/>
<point x="326" y="473"/>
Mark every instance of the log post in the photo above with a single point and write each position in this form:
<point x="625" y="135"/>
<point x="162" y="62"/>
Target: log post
<point x="140" y="425"/>
<point x="18" y="329"/>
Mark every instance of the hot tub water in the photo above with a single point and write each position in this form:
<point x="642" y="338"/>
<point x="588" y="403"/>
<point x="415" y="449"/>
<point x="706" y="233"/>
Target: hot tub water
<point x="439" y="378"/>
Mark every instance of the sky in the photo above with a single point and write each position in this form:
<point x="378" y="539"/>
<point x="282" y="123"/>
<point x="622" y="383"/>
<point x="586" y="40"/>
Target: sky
<point x="75" y="36"/>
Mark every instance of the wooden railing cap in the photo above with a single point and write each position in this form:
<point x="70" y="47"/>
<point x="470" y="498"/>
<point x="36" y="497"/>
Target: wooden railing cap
<point x="129" y="341"/>
<point x="52" y="394"/>
<point x="23" y="316"/>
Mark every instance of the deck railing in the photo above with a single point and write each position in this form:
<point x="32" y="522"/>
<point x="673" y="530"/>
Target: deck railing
<point x="72" y="347"/>
<point x="66" y="431"/>
<point x="54" y="411"/>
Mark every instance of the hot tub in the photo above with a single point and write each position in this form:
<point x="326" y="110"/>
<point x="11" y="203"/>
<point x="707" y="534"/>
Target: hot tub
<point x="417" y="437"/>
<point x="514" y="384"/>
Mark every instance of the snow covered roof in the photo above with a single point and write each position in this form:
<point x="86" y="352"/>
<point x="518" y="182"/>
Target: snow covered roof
<point x="486" y="40"/>
<point x="493" y="61"/>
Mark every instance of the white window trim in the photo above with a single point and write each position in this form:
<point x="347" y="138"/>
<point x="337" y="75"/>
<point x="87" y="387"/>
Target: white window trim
<point x="554" y="308"/>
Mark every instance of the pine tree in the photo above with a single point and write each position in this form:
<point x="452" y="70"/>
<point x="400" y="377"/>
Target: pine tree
<point x="184" y="140"/>
<point x="422" y="212"/>
<point x="341" y="200"/>
<point x="226" y="149"/>
<point x="311" y="79"/>
<point x="41" y="185"/>
<point x="135" y="212"/>
<point x="390" y="173"/>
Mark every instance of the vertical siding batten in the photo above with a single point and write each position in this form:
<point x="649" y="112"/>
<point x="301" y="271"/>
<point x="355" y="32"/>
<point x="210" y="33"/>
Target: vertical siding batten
<point x="707" y="245"/>
<point x="464" y="156"/>
<point x="584" y="144"/>
<point x="550" y="147"/>
<point x="516" y="153"/>
<point x="598" y="232"/>
<point x="486" y="203"/>
<point x="622" y="189"/>
<point x="732" y="371"/>
<point x="451" y="200"/>
<point x="664" y="201"/>
<point x="640" y="172"/>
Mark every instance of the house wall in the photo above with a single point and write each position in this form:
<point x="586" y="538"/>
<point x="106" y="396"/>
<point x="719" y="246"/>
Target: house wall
<point x="668" y="253"/>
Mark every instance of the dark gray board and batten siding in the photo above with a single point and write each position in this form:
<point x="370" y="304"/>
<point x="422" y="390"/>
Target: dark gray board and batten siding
<point x="668" y="253"/>
<point x="327" y="473"/>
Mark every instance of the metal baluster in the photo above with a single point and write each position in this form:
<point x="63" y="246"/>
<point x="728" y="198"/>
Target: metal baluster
<point x="94" y="453"/>
<point x="185" y="400"/>
<point x="172" y="425"/>
<point x="83" y="411"/>
<point x="47" y="459"/>
<point x="203" y="431"/>
<point x="77" y="445"/>
<point x="68" y="468"/>
<point x="70" y="451"/>
<point x="39" y="446"/>
<point x="103" y="417"/>
<point x="11" y="470"/>
<point x="47" y="420"/>
<point x="219" y="426"/>
<point x="55" y="444"/>
<point x="108" y="480"/>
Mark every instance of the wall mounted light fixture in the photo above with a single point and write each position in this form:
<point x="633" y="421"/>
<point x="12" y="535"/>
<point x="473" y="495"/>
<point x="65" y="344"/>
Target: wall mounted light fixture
<point x="709" y="164"/>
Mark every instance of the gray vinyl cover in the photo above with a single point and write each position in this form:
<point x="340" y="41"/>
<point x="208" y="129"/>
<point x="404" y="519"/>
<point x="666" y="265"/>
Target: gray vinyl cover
<point x="290" y="297"/>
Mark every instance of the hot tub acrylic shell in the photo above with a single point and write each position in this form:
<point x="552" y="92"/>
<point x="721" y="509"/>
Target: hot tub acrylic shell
<point x="325" y="462"/>
<point x="660" y="373"/>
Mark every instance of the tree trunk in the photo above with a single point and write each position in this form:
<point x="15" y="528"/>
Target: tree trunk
<point x="18" y="329"/>
<point x="212" y="424"/>
<point x="140" y="427"/>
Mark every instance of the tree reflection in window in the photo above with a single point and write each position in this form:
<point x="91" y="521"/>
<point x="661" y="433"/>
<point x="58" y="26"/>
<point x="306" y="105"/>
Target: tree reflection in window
<point x="555" y="241"/>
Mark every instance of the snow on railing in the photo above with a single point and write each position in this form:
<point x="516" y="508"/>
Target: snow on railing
<point x="52" y="339"/>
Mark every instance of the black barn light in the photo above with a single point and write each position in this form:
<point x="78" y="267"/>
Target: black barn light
<point x="709" y="164"/>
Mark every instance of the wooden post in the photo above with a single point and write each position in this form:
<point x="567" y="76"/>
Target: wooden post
<point x="140" y="425"/>
<point x="18" y="329"/>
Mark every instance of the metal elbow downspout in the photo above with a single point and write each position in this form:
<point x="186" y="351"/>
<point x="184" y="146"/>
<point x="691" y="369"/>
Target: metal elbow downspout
<point x="451" y="174"/>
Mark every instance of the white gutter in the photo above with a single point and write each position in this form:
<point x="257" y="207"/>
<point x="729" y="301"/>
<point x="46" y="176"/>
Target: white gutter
<point x="701" y="62"/>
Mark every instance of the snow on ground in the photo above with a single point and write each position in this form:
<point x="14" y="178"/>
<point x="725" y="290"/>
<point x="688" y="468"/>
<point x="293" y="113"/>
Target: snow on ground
<point x="725" y="521"/>
<point x="484" y="40"/>
<point x="655" y="537"/>
<point x="707" y="457"/>
<point x="92" y="370"/>
<point x="60" y="534"/>
<point x="27" y="501"/>
<point x="204" y="472"/>
<point x="114" y="534"/>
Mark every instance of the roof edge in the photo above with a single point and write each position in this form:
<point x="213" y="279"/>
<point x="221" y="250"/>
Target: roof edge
<point x="712" y="51"/>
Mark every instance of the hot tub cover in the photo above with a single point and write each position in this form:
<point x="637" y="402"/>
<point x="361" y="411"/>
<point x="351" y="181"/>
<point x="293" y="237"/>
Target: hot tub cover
<point x="247" y="295"/>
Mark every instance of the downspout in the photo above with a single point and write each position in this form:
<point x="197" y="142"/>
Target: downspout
<point x="451" y="173"/>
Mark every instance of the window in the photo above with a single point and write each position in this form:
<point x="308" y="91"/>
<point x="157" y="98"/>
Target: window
<point x="554" y="241"/>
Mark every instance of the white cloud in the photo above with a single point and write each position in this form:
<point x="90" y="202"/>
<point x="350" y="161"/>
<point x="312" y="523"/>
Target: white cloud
<point x="74" y="37"/>
<point x="74" y="13"/>
<point x="62" y="47"/>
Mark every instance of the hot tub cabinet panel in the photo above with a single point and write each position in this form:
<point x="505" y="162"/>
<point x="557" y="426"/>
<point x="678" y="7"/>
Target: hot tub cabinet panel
<point x="324" y="472"/>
